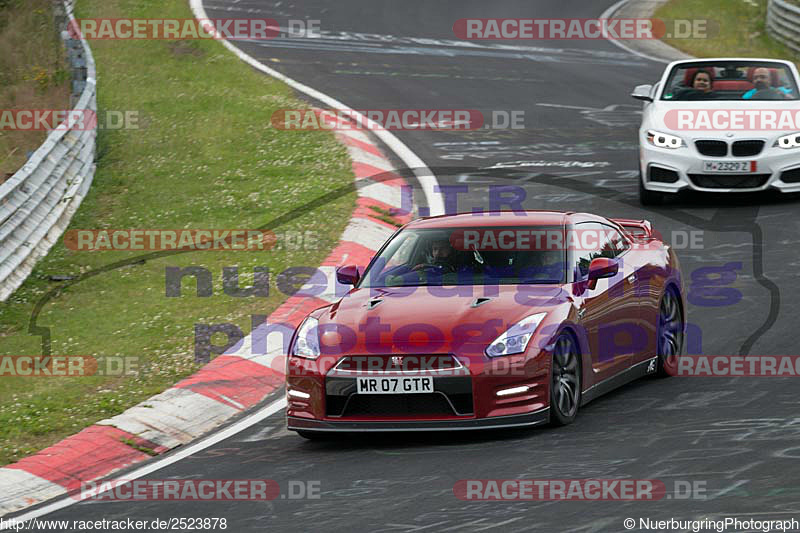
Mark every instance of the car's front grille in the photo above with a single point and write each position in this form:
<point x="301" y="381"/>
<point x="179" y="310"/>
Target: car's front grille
<point x="729" y="181"/>
<point x="791" y="176"/>
<point x="398" y="362"/>
<point x="712" y="148"/>
<point x="747" y="148"/>
<point x="334" y="404"/>
<point x="397" y="405"/>
<point x="662" y="175"/>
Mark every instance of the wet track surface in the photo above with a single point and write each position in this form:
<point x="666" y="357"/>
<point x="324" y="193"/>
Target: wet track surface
<point x="739" y="437"/>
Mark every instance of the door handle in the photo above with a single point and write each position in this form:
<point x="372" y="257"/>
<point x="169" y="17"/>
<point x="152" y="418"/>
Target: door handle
<point x="632" y="278"/>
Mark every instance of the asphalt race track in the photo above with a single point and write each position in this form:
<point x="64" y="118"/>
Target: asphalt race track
<point x="739" y="438"/>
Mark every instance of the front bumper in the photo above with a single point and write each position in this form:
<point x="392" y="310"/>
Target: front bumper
<point x="687" y="161"/>
<point x="498" y="422"/>
<point x="475" y="395"/>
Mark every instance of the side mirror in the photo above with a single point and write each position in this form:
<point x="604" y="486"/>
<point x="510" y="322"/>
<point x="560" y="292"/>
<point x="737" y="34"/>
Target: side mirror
<point x="601" y="267"/>
<point x="642" y="92"/>
<point x="348" y="275"/>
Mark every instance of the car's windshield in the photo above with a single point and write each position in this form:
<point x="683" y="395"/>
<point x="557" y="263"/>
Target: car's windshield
<point x="730" y="80"/>
<point x="470" y="256"/>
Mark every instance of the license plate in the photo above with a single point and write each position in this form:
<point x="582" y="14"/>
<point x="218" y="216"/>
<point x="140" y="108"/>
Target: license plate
<point x="723" y="167"/>
<point x="398" y="385"/>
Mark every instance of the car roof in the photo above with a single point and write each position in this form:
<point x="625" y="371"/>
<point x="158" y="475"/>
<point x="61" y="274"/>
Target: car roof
<point x="504" y="218"/>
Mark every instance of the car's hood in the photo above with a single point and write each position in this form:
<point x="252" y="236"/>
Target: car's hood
<point x="401" y="313"/>
<point x="662" y="115"/>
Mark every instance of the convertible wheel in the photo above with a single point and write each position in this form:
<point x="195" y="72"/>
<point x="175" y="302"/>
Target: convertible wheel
<point x="565" y="388"/>
<point x="670" y="334"/>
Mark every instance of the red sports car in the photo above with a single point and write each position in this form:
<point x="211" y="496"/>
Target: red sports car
<point x="486" y="321"/>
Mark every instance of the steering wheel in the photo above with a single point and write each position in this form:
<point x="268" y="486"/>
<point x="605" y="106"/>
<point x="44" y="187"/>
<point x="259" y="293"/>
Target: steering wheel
<point x="425" y="267"/>
<point x="770" y="93"/>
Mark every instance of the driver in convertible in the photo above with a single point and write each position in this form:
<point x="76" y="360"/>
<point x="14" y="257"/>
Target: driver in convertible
<point x="762" y="80"/>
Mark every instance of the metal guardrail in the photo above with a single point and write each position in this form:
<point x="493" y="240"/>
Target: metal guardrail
<point x="783" y="23"/>
<point x="37" y="203"/>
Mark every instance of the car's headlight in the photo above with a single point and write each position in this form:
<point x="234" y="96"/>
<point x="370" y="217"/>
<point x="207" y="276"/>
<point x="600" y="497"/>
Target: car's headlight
<point x="516" y="338"/>
<point x="788" y="141"/>
<point x="306" y="343"/>
<point x="664" y="140"/>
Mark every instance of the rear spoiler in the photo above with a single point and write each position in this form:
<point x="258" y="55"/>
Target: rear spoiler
<point x="638" y="230"/>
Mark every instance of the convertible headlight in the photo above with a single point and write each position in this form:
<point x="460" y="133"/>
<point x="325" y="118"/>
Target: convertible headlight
<point x="516" y="338"/>
<point x="664" y="140"/>
<point x="788" y="141"/>
<point x="306" y="343"/>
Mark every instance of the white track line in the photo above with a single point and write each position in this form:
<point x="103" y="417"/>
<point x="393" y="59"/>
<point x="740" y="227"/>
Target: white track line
<point x="157" y="464"/>
<point x="423" y="174"/>
<point x="435" y="204"/>
<point x="607" y="14"/>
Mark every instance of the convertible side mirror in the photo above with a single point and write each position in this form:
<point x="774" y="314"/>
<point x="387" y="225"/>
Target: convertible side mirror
<point x="642" y="92"/>
<point x="348" y="275"/>
<point x="601" y="267"/>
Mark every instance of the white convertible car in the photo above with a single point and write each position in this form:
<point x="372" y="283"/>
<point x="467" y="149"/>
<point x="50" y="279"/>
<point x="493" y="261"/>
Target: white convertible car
<point x="720" y="125"/>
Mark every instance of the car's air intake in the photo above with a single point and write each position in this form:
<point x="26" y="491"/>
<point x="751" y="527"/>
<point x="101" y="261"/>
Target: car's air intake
<point x="712" y="148"/>
<point x="729" y="181"/>
<point x="747" y="148"/>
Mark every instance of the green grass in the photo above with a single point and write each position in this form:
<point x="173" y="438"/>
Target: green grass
<point x="204" y="156"/>
<point x="385" y="215"/>
<point x="739" y="29"/>
<point x="143" y="449"/>
<point x="33" y="73"/>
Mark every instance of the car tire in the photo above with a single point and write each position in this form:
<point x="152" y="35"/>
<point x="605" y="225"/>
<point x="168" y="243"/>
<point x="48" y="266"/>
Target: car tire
<point x="649" y="197"/>
<point x="670" y="333"/>
<point x="565" y="381"/>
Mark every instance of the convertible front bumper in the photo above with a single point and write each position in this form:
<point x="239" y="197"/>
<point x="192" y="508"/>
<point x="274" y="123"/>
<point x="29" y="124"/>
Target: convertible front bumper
<point x="774" y="168"/>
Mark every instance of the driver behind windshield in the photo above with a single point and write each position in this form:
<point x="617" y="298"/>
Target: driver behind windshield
<point x="442" y="256"/>
<point x="762" y="80"/>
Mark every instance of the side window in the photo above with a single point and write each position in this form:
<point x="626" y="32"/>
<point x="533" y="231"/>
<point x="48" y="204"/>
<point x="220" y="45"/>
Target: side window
<point x="673" y="84"/>
<point x="620" y="242"/>
<point x="614" y="244"/>
<point x="582" y="255"/>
